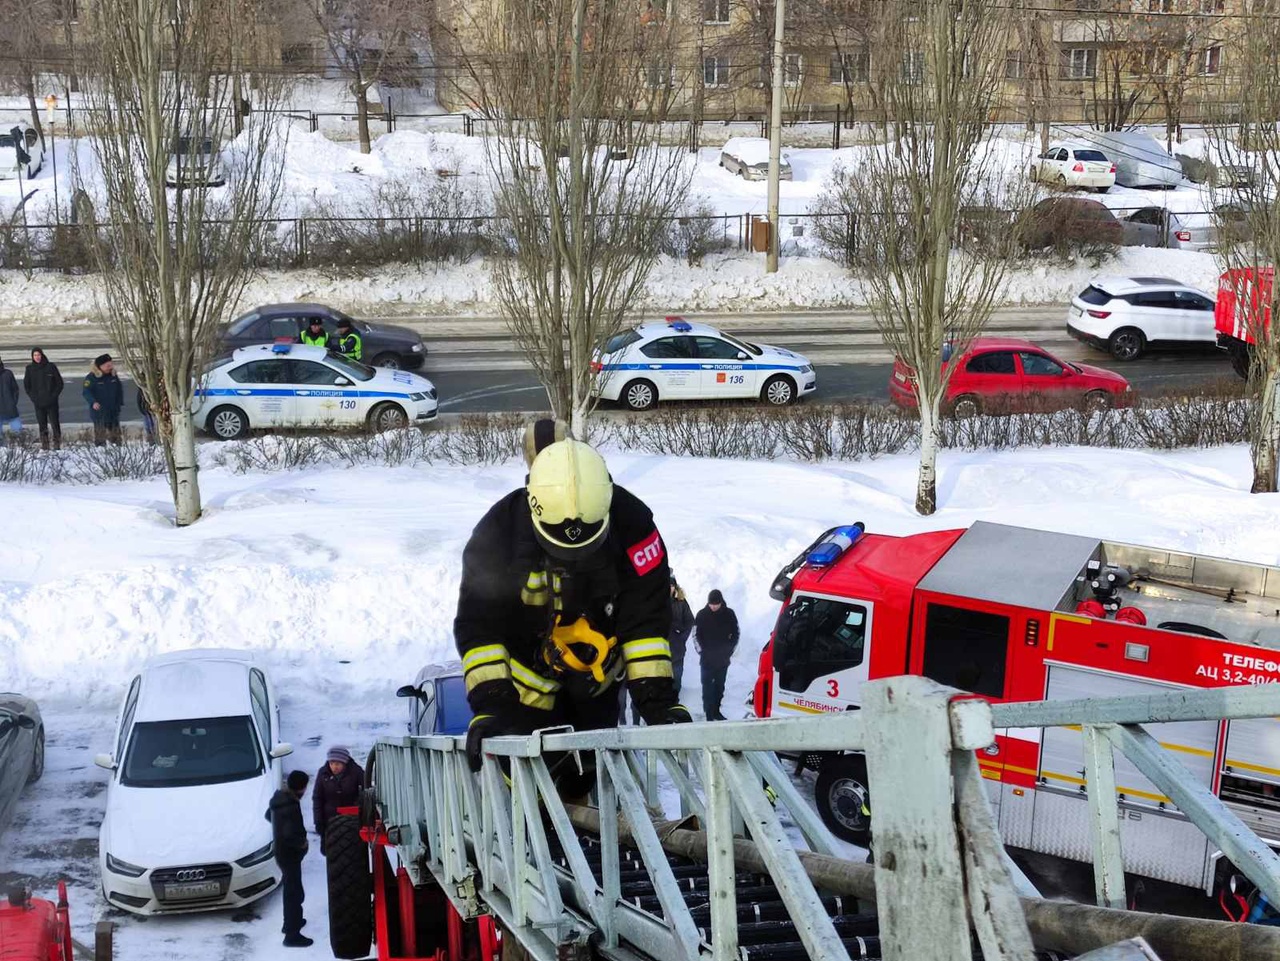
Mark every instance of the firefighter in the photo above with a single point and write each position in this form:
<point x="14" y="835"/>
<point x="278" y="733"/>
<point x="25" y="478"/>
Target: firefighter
<point x="565" y="592"/>
<point x="315" y="335"/>
<point x="347" y="342"/>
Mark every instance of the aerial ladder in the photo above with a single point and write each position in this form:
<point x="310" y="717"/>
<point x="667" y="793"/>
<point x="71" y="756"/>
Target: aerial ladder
<point x="700" y="847"/>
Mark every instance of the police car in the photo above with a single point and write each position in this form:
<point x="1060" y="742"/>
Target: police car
<point x="294" y="385"/>
<point x="679" y="360"/>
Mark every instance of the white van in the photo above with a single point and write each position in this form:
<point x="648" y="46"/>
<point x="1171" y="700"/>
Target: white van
<point x="31" y="143"/>
<point x="1140" y="160"/>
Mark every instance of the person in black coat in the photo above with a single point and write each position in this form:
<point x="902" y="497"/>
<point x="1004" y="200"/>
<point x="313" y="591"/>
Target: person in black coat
<point x="9" y="422"/>
<point x="43" y="383"/>
<point x="715" y="637"/>
<point x="104" y="394"/>
<point x="338" y="785"/>
<point x="290" y="837"/>
<point x="681" y="628"/>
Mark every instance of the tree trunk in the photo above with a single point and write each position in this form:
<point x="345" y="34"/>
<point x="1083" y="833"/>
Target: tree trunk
<point x="29" y="83"/>
<point x="927" y="479"/>
<point x="186" y="489"/>
<point x="1266" y="439"/>
<point x="361" y="91"/>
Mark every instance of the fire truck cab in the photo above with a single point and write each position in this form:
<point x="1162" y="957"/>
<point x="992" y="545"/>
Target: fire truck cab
<point x="1242" y="311"/>
<point x="1012" y="613"/>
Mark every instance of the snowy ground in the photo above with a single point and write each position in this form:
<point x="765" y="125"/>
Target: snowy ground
<point x="344" y="581"/>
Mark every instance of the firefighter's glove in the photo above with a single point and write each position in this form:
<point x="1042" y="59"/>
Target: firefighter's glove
<point x="487" y="725"/>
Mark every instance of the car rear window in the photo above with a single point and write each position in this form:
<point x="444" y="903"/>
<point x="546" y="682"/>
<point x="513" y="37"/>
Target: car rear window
<point x="621" y="341"/>
<point x="1094" y="295"/>
<point x="1097" y="155"/>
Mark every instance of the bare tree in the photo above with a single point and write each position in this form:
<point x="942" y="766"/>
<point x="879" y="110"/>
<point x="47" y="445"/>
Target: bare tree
<point x="369" y="41"/>
<point x="24" y="26"/>
<point x="1179" y="39"/>
<point x="943" y="179"/>
<point x="584" y="188"/>
<point x="1247" y="220"/>
<point x="1119" y="87"/>
<point x="174" y="260"/>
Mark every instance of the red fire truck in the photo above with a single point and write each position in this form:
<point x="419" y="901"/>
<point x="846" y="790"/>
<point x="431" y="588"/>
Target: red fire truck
<point x="1244" y="304"/>
<point x="1015" y="614"/>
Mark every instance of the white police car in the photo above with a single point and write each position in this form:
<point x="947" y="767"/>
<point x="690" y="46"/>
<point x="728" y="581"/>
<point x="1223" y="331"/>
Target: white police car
<point x="677" y="360"/>
<point x="294" y="385"/>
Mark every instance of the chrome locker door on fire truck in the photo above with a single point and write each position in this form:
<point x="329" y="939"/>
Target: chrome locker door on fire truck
<point x="821" y="650"/>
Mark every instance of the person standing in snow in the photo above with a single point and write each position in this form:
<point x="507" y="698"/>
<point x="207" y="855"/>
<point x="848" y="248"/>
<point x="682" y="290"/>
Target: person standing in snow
<point x="104" y="394"/>
<point x="715" y="637"/>
<point x="10" y="423"/>
<point x="347" y="342"/>
<point x="314" y="335"/>
<point x="43" y="383"/>
<point x="338" y="785"/>
<point x="290" y="837"/>
<point x="148" y="418"/>
<point x="678" y="638"/>
<point x="565" y="593"/>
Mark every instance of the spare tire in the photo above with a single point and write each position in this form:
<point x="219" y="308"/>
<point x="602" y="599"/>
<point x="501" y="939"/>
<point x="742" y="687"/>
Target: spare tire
<point x="350" y="886"/>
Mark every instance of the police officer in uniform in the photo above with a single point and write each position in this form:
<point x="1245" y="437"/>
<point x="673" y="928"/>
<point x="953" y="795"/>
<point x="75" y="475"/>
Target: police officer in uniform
<point x="565" y="592"/>
<point x="314" y="335"/>
<point x="347" y="342"/>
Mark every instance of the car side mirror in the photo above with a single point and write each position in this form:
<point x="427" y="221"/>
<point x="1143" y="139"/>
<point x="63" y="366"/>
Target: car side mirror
<point x="281" y="750"/>
<point x="1067" y="371"/>
<point x="341" y="382"/>
<point x="741" y="356"/>
<point x="408" y="690"/>
<point x="105" y="761"/>
<point x="25" y="722"/>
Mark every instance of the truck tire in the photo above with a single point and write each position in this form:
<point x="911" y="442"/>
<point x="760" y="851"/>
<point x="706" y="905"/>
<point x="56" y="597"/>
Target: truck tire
<point x="1241" y="360"/>
<point x="350" y="886"/>
<point x="842" y="797"/>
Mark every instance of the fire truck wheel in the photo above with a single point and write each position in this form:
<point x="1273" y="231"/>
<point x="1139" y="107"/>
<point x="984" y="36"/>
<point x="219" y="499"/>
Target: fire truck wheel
<point x="1241" y="361"/>
<point x="843" y="800"/>
<point x="350" y="888"/>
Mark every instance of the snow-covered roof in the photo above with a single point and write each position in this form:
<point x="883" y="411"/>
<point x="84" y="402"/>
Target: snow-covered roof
<point x="177" y="688"/>
<point x="688" y="328"/>
<point x="1124" y="285"/>
<point x="262" y="351"/>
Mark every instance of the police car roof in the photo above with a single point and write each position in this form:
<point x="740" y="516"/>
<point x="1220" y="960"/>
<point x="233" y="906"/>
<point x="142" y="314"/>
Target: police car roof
<point x="660" y="328"/>
<point x="268" y="351"/>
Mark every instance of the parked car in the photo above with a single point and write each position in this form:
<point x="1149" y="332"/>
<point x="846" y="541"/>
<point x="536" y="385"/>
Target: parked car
<point x="1226" y="167"/>
<point x="438" y="702"/>
<point x="21" y="750"/>
<point x="677" y="360"/>
<point x="1068" y="222"/>
<point x="385" y="345"/>
<point x="29" y="140"/>
<point x="1074" y="165"/>
<point x="1001" y="374"/>
<point x="194" y="763"/>
<point x="1140" y="160"/>
<point x="748" y="157"/>
<point x="195" y="162"/>
<point x="1126" y="315"/>
<point x="298" y="386"/>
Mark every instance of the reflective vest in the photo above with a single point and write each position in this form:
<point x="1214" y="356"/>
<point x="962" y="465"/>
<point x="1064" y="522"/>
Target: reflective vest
<point x="317" y="340"/>
<point x="351" y="346"/>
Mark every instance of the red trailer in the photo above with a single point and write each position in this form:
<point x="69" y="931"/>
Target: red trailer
<point x="1014" y="614"/>
<point x="1244" y="307"/>
<point x="32" y="929"/>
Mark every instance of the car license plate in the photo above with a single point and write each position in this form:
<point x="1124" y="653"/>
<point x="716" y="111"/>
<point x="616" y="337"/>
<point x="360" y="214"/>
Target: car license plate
<point x="193" y="891"/>
<point x="900" y="377"/>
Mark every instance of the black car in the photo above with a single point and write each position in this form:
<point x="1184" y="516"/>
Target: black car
<point x="384" y="345"/>
<point x="21" y="749"/>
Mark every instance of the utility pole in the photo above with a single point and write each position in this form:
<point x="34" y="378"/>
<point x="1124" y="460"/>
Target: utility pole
<point x="775" y="137"/>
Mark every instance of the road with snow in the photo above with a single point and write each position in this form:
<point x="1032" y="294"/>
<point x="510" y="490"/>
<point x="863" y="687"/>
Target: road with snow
<point x="477" y="368"/>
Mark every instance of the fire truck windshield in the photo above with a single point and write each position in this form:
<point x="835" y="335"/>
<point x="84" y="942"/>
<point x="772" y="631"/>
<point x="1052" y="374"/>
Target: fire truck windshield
<point x="816" y="637"/>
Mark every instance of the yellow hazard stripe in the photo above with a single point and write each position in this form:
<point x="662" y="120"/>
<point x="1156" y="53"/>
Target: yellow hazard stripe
<point x="483" y="655"/>
<point x="1167" y="745"/>
<point x="797" y="707"/>
<point x="1053" y="623"/>
<point x="532" y="698"/>
<point x="1258" y="768"/>
<point x="1127" y="791"/>
<point x="531" y="680"/>
<point x="487" y="672"/>
<point x="646" y="647"/>
<point x="656" y="667"/>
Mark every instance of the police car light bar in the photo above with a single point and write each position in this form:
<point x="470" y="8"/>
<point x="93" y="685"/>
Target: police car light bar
<point x="679" y="324"/>
<point x="281" y="347"/>
<point x="834" y="545"/>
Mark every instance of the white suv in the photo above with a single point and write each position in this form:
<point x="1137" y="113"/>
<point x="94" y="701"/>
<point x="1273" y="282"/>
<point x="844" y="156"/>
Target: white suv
<point x="1125" y="315"/>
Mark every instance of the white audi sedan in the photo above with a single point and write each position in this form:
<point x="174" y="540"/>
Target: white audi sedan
<point x="195" y="763"/>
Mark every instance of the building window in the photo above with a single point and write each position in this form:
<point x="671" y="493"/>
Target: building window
<point x="792" y="69"/>
<point x="1015" y="65"/>
<point x="913" y="66"/>
<point x="715" y="11"/>
<point x="1212" y="61"/>
<point x="715" y="71"/>
<point x="1080" y="63"/>
<point x="659" y="75"/>
<point x="1212" y="6"/>
<point x="1160" y="6"/>
<point x="851" y="67"/>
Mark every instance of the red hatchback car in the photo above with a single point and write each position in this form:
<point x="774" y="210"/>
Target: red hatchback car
<point x="1005" y="373"/>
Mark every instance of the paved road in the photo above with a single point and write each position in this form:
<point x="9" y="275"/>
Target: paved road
<point x="476" y="367"/>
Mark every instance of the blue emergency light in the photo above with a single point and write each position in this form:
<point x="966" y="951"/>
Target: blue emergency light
<point x="679" y="324"/>
<point x="281" y="348"/>
<point x="830" y="549"/>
